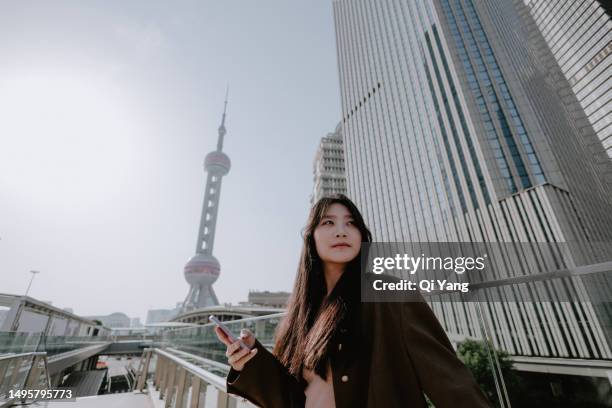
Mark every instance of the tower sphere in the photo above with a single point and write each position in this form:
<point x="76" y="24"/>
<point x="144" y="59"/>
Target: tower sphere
<point x="217" y="162"/>
<point x="202" y="269"/>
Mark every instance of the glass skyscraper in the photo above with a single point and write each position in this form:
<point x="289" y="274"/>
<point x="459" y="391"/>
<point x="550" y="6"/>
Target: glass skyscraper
<point x="459" y="126"/>
<point x="579" y="35"/>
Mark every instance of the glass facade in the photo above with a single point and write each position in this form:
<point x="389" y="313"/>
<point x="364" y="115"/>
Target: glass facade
<point x="579" y="34"/>
<point x="485" y="78"/>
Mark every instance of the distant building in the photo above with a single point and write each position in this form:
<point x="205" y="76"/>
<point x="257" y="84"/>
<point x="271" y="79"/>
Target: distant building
<point x="112" y="320"/>
<point x="328" y="166"/>
<point x="267" y="298"/>
<point x="161" y="315"/>
<point x="135" y="323"/>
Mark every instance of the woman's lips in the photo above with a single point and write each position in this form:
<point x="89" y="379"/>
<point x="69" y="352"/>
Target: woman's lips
<point x="340" y="246"/>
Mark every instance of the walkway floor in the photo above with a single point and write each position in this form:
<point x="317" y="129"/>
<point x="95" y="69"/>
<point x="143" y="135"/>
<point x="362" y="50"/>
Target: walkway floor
<point x="124" y="400"/>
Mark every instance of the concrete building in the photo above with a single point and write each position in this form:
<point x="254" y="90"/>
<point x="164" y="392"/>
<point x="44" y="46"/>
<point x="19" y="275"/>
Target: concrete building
<point x="455" y="130"/>
<point x="328" y="166"/>
<point x="579" y="35"/>
<point x="269" y="299"/>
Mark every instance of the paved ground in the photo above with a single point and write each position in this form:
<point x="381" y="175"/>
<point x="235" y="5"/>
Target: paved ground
<point x="124" y="400"/>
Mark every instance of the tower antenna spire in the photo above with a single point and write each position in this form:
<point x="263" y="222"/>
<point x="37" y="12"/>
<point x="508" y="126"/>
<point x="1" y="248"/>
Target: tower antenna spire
<point x="222" y="127"/>
<point x="225" y="105"/>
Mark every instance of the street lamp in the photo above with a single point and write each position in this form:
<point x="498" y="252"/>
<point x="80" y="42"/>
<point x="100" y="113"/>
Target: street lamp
<point x="31" y="279"/>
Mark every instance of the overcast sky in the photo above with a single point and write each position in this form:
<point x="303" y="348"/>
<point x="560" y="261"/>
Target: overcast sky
<point x="107" y="110"/>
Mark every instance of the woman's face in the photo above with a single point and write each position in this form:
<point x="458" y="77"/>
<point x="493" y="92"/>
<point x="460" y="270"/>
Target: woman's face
<point x="337" y="239"/>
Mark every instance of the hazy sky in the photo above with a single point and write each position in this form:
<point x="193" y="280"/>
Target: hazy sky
<point x="107" y="110"/>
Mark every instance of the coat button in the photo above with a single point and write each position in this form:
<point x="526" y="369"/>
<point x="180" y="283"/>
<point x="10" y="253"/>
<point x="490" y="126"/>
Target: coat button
<point x="344" y="378"/>
<point x="340" y="346"/>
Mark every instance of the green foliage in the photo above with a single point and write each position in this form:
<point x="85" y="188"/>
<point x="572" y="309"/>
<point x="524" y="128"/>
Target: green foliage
<point x="475" y="356"/>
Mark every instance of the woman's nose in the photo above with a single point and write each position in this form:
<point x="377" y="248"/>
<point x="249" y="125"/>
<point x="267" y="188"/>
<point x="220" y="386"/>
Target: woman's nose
<point x="340" y="233"/>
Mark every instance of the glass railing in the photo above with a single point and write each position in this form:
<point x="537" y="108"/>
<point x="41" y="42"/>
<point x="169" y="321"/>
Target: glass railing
<point x="18" y="342"/>
<point x="19" y="372"/>
<point x="202" y="340"/>
<point x="62" y="344"/>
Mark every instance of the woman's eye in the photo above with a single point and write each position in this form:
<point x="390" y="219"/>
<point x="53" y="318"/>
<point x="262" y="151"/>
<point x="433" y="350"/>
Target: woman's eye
<point x="351" y="223"/>
<point x="326" y="222"/>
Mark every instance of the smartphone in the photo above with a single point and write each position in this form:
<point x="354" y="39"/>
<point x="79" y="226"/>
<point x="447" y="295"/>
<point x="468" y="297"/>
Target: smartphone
<point x="227" y="331"/>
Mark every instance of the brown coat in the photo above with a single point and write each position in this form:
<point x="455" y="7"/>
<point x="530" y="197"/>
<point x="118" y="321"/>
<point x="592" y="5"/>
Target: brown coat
<point x="386" y="358"/>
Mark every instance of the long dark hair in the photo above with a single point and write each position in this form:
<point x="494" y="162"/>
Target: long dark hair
<point x="303" y="337"/>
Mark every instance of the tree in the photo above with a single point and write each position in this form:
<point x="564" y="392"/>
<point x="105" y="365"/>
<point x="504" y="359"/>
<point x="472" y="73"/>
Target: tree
<point x="475" y="356"/>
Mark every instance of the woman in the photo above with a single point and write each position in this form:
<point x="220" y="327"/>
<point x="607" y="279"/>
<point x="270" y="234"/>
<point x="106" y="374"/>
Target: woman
<point x="332" y="350"/>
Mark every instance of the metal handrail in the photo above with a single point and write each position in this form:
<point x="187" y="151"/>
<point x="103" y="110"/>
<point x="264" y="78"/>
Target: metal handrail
<point x="20" y="355"/>
<point x="203" y="360"/>
<point x="212" y="379"/>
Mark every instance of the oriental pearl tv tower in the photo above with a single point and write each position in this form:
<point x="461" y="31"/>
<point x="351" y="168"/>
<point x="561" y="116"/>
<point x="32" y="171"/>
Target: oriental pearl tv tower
<point x="203" y="269"/>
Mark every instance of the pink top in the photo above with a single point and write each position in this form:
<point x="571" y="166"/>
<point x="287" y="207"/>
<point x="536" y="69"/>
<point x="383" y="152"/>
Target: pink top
<point x="319" y="392"/>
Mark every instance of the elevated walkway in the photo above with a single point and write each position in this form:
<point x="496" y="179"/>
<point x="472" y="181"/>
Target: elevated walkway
<point x="59" y="362"/>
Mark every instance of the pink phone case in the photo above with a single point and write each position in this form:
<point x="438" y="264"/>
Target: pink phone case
<point x="227" y="331"/>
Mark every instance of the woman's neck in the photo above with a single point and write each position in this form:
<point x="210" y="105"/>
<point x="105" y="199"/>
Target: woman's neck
<point x="332" y="273"/>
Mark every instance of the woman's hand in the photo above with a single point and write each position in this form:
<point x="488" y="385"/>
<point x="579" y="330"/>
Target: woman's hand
<point x="238" y="356"/>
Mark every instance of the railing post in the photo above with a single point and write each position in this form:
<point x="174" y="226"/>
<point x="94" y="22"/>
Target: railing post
<point x="158" y="369"/>
<point x="225" y="401"/>
<point x="180" y="388"/>
<point x="170" y="385"/>
<point x="145" y="370"/>
<point x="197" y="392"/>
<point x="164" y="378"/>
